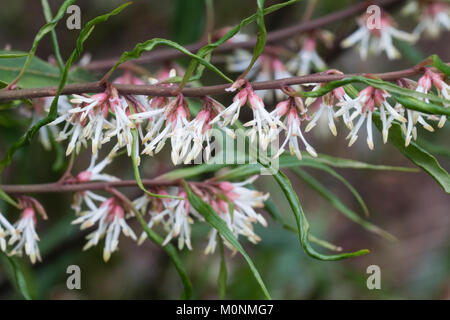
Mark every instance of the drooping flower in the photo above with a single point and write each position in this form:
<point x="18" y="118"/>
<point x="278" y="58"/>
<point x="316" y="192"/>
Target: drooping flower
<point x="293" y="112"/>
<point x="240" y="221"/>
<point x="372" y="38"/>
<point x="110" y="217"/>
<point x="6" y="229"/>
<point x="94" y="171"/>
<point x="327" y="103"/>
<point x="363" y="106"/>
<point x="175" y="216"/>
<point x="28" y="239"/>
<point x="308" y="58"/>
<point x="434" y="17"/>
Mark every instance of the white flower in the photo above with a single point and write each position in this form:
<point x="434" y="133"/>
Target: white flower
<point x="231" y="114"/>
<point x="6" y="229"/>
<point x="434" y="17"/>
<point x="93" y="172"/>
<point x="377" y="39"/>
<point x="288" y="110"/>
<point x="175" y="217"/>
<point x="199" y="130"/>
<point x="241" y="220"/>
<point x="110" y="217"/>
<point x="326" y="104"/>
<point x="28" y="237"/>
<point x="306" y="58"/>
<point x="264" y="124"/>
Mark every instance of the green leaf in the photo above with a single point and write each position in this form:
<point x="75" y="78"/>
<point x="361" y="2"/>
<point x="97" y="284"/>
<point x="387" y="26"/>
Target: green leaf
<point x="12" y="55"/>
<point x="137" y="175"/>
<point x="440" y="65"/>
<point x="339" y="205"/>
<point x="48" y="17"/>
<point x="209" y="48"/>
<point x="151" y="44"/>
<point x="222" y="278"/>
<point x="347" y="184"/>
<point x="38" y="74"/>
<point x="48" y="27"/>
<point x="189" y="172"/>
<point x="273" y="211"/>
<point x="8" y="199"/>
<point x="53" y="112"/>
<point x="262" y="34"/>
<point x="171" y="252"/>
<point x="420" y="157"/>
<point x="21" y="278"/>
<point x="302" y="222"/>
<point x="217" y="223"/>
<point x="413" y="96"/>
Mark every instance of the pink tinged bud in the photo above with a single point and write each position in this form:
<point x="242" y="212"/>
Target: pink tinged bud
<point x="425" y="82"/>
<point x="309" y="44"/>
<point x="117" y="211"/>
<point x="370" y="104"/>
<point x="226" y="186"/>
<point x="379" y="97"/>
<point x="255" y="100"/>
<point x="282" y="107"/>
<point x="437" y="80"/>
<point x="215" y="206"/>
<point x="223" y="206"/>
<point x="100" y="97"/>
<point x="292" y="117"/>
<point x="339" y="93"/>
<point x="241" y="96"/>
<point x="435" y="8"/>
<point x="29" y="213"/>
<point x="84" y="176"/>
<point x="107" y="203"/>
<point x="366" y="92"/>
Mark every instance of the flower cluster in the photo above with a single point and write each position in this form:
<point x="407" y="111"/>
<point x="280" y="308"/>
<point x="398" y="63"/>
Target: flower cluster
<point x="22" y="234"/>
<point x="233" y="202"/>
<point x="373" y="38"/>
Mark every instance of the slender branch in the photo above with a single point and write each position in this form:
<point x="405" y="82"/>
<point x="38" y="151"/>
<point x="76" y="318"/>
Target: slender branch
<point x="165" y="91"/>
<point x="274" y="36"/>
<point x="57" y="187"/>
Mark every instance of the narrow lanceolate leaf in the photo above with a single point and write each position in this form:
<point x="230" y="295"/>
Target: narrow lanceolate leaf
<point x="302" y="222"/>
<point x="171" y="252"/>
<point x="222" y="278"/>
<point x="53" y="112"/>
<point x="8" y="199"/>
<point x="209" y="48"/>
<point x="273" y="211"/>
<point x="440" y="65"/>
<point x="13" y="55"/>
<point x="151" y="44"/>
<point x="45" y="29"/>
<point x="420" y="157"/>
<point x="137" y="175"/>
<point x="339" y="205"/>
<point x="262" y="34"/>
<point x="321" y="162"/>
<point x="414" y="96"/>
<point x="21" y="279"/>
<point x="39" y="72"/>
<point x="185" y="173"/>
<point x="217" y="223"/>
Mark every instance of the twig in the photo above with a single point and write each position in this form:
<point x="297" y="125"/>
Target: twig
<point x="165" y="91"/>
<point x="57" y="187"/>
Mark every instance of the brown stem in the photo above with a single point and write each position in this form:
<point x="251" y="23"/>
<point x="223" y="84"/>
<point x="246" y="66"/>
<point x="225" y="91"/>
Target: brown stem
<point x="56" y="187"/>
<point x="165" y="91"/>
<point x="274" y="36"/>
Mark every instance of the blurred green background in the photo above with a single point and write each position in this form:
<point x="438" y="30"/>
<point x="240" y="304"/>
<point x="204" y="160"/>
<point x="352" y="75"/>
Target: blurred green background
<point x="409" y="205"/>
